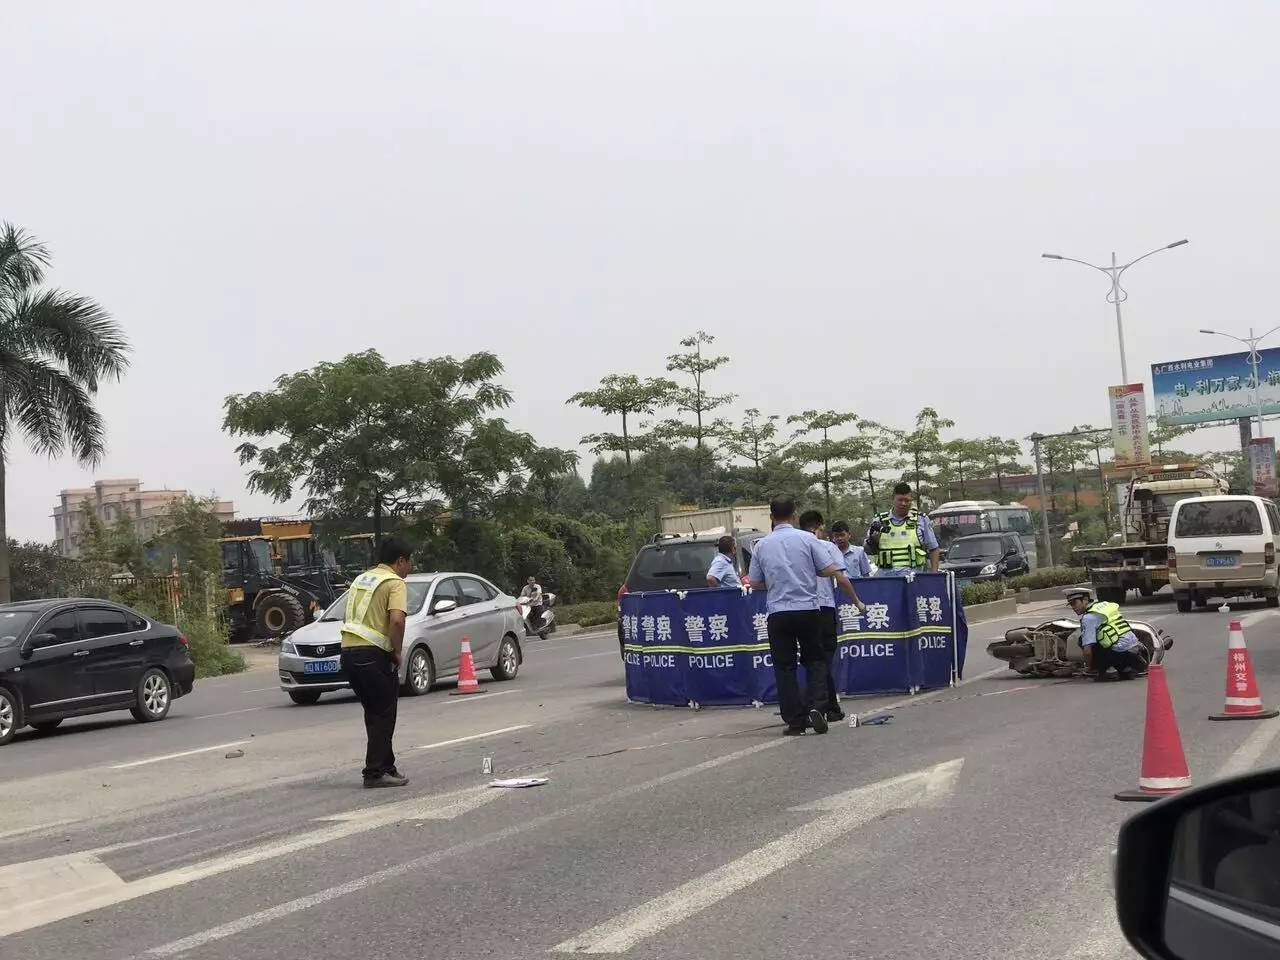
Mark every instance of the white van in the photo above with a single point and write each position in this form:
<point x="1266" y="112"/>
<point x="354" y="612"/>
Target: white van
<point x="1223" y="547"/>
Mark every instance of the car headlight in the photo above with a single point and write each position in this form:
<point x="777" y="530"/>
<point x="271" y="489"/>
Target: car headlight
<point x="988" y="570"/>
<point x="286" y="646"/>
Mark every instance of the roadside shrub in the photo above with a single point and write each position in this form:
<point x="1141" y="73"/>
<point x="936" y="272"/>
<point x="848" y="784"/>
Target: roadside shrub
<point x="207" y="637"/>
<point x="1050" y="577"/>
<point x="981" y="593"/>
<point x="590" y="614"/>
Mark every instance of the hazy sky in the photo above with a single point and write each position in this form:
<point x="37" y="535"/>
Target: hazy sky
<point x="838" y="191"/>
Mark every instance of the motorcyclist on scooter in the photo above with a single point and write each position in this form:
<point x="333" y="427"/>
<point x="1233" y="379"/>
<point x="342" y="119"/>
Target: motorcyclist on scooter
<point x="532" y="592"/>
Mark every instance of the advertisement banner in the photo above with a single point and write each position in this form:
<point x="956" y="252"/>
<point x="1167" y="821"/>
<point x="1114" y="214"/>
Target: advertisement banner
<point x="1204" y="389"/>
<point x="1129" y="424"/>
<point x="1262" y="466"/>
<point x="711" y="647"/>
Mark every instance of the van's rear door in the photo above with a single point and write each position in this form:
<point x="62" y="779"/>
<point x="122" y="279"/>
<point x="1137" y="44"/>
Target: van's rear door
<point x="1218" y="541"/>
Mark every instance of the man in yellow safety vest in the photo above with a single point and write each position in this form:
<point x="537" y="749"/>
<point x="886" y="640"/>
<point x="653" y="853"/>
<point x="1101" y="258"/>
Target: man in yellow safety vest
<point x="1106" y="637"/>
<point x="372" y="638"/>
<point x="903" y="539"/>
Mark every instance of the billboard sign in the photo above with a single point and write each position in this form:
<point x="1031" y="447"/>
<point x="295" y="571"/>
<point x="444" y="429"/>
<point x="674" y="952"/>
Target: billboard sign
<point x="1262" y="466"/>
<point x="1129" y="424"/>
<point x="1205" y="389"/>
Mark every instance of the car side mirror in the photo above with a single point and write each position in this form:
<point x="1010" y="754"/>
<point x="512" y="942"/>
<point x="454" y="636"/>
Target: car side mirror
<point x="444" y="606"/>
<point x="35" y="641"/>
<point x="1198" y="874"/>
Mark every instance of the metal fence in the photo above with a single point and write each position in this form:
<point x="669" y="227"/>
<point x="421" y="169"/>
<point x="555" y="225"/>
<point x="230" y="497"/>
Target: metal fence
<point x="173" y="597"/>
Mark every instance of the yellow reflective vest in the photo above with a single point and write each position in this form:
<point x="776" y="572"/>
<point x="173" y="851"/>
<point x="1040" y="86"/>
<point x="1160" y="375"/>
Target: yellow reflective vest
<point x="1114" y="625"/>
<point x="359" y="599"/>
<point x="900" y="545"/>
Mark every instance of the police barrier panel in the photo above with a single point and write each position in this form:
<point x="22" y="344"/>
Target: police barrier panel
<point x="712" y="647"/>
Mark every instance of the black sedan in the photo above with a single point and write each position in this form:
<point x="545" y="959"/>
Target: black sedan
<point x="68" y="658"/>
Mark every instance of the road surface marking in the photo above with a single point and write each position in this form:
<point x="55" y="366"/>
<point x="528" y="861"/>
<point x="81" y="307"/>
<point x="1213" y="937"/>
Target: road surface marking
<point x="8" y="834"/>
<point x="479" y="696"/>
<point x="419" y="865"/>
<point x="260" y="689"/>
<point x="603" y="653"/>
<point x="39" y="892"/>
<point x="474" y="736"/>
<point x="1251" y="751"/>
<point x="175" y="756"/>
<point x="843" y="812"/>
<point x="229" y="713"/>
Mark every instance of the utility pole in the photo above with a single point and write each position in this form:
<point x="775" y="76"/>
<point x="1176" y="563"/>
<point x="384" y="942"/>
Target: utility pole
<point x="1044" y="513"/>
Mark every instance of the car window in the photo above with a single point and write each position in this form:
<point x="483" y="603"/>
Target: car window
<point x="102" y="622"/>
<point x="1218" y="518"/>
<point x="135" y="622"/>
<point x="1274" y="516"/>
<point x="12" y="623"/>
<point x="472" y="591"/>
<point x="62" y="626"/>
<point x="448" y="590"/>
<point x="662" y="566"/>
<point x="417" y="591"/>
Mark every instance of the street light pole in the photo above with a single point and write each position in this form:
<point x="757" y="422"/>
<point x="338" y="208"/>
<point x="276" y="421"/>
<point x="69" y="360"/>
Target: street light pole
<point x="1255" y="360"/>
<point x="1044" y="513"/>
<point x="1117" y="294"/>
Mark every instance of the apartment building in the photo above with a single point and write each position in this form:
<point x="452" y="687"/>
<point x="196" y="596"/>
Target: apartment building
<point x="110" y="500"/>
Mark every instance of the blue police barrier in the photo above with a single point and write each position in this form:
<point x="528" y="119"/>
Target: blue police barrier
<point x="711" y="647"/>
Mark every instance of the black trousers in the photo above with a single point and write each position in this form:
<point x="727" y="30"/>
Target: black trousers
<point x="1129" y="660"/>
<point x="376" y="682"/>
<point x="830" y="641"/>
<point x="799" y="631"/>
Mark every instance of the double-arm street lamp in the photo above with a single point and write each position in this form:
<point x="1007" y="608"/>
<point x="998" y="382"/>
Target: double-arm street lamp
<point x="1254" y="359"/>
<point x="1117" y="294"/>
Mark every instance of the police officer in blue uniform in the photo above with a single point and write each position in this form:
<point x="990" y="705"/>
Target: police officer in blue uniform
<point x="723" y="571"/>
<point x="903" y="539"/>
<point x="787" y="564"/>
<point x="811" y="521"/>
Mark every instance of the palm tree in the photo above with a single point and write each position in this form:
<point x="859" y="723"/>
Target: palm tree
<point x="54" y="348"/>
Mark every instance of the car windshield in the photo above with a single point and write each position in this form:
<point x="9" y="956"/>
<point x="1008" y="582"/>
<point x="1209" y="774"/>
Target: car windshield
<point x="12" y="625"/>
<point x="1219" y="518"/>
<point x="983" y="547"/>
<point x="662" y="565"/>
<point x="416" y="589"/>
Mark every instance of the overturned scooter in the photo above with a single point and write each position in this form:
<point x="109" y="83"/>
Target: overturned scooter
<point x="1052" y="648"/>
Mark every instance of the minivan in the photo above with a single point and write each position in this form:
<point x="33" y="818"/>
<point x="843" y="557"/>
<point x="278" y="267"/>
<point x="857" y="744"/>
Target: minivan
<point x="1223" y="546"/>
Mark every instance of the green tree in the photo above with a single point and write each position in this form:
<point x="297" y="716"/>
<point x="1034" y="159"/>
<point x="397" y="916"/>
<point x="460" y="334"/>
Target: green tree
<point x="695" y="401"/>
<point x="757" y="441"/>
<point x="1159" y="435"/>
<point x="547" y="468"/>
<point x="823" y="449"/>
<point x="362" y="437"/>
<point x="189" y="533"/>
<point x="40" y="571"/>
<point x="963" y="458"/>
<point x="628" y="397"/>
<point x="55" y="348"/>
<point x="1001" y="456"/>
<point x="921" y="448"/>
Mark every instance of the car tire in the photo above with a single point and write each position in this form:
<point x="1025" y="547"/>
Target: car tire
<point x="279" y="614"/>
<point x="10" y="715"/>
<point x="508" y="664"/>
<point x="1273" y="599"/>
<point x="1201" y="600"/>
<point x="304" y="698"/>
<point x="1145" y="591"/>
<point x="1184" y="602"/>
<point x="46" y="726"/>
<point x="154" y="697"/>
<point x="419" y="673"/>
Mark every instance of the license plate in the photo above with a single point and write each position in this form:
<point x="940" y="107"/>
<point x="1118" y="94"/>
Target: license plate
<point x="1221" y="562"/>
<point x="321" y="666"/>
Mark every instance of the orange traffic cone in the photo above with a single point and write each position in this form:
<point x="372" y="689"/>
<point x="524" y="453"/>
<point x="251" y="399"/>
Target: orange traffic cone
<point x="1243" y="700"/>
<point x="467" y="682"/>
<point x="1164" y="765"/>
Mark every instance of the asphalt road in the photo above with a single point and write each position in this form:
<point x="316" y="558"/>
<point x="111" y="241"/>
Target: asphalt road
<point x="976" y="824"/>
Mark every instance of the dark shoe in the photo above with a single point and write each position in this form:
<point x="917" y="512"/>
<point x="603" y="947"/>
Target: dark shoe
<point x="386" y="780"/>
<point x="817" y="721"/>
<point x="835" y="716"/>
<point x="1125" y="675"/>
<point x="1101" y="677"/>
<point x="793" y="732"/>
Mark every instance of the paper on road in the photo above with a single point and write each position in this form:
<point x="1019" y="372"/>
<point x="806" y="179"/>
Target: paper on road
<point x="519" y="782"/>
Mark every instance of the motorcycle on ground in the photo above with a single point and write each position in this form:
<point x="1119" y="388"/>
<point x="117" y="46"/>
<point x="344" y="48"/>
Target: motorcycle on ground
<point x="1052" y="648"/>
<point x="537" y="614"/>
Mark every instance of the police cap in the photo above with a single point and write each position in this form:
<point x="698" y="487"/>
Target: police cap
<point x="1080" y="593"/>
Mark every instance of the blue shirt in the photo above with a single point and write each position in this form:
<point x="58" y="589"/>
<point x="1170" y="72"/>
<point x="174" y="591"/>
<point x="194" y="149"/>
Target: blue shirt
<point x="856" y="563"/>
<point x="1089" y="625"/>
<point x="826" y="585"/>
<point x="787" y="561"/>
<point x="723" y="569"/>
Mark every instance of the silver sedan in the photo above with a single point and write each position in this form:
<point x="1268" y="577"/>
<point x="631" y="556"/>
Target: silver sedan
<point x="443" y="609"/>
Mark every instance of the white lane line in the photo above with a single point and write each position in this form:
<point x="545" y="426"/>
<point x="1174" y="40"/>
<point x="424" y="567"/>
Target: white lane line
<point x="1249" y="752"/>
<point x="588" y="656"/>
<point x="261" y="689"/>
<point x="9" y="834"/>
<point x="228" y="713"/>
<point x="474" y="736"/>
<point x="414" y="867"/>
<point x="175" y="756"/>
<point x="844" y="812"/>
<point x="479" y="696"/>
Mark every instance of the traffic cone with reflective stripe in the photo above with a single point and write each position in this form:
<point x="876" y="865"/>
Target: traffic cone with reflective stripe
<point x="1164" y="765"/>
<point x="467" y="682"/>
<point x="1243" y="700"/>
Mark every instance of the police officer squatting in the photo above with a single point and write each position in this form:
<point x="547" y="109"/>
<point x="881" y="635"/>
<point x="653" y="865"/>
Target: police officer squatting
<point x="903" y="538"/>
<point x="372" y="643"/>
<point x="1106" y="637"/>
<point x="788" y="565"/>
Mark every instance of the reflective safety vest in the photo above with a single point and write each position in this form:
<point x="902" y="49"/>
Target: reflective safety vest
<point x="1114" y="625"/>
<point x="359" y="598"/>
<point x="900" y="545"/>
